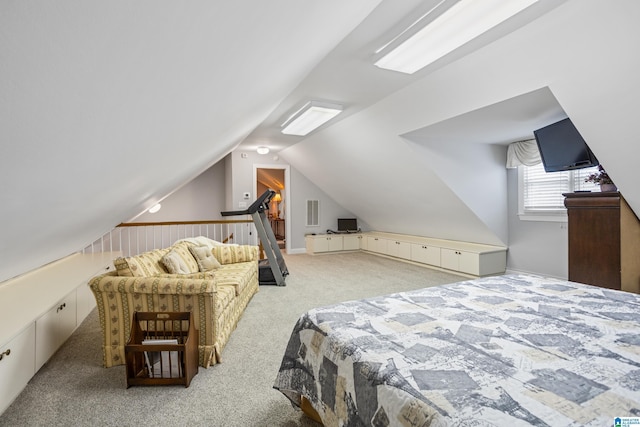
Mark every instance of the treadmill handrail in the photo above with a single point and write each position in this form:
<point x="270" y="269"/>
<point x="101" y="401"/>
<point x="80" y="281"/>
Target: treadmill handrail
<point x="259" y="205"/>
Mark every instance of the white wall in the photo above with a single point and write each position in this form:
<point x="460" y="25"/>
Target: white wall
<point x="535" y="246"/>
<point x="475" y="173"/>
<point x="199" y="200"/>
<point x="300" y="189"/>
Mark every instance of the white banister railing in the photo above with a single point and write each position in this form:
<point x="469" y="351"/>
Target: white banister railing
<point x="135" y="238"/>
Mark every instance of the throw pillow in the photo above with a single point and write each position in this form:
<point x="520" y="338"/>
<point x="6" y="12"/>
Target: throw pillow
<point x="174" y="263"/>
<point x="204" y="257"/>
<point x="185" y="254"/>
<point x="234" y="254"/>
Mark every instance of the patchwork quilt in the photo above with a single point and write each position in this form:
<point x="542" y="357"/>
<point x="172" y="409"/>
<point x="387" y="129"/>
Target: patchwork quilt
<point x="499" y="351"/>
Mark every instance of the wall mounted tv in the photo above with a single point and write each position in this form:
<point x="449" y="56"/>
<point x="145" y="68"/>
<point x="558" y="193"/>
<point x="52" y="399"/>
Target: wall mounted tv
<point x="562" y="147"/>
<point x="347" y="225"/>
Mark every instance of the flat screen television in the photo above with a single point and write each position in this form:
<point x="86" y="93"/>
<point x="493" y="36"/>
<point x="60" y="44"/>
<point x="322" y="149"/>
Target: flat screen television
<point x="347" y="225"/>
<point x="562" y="147"/>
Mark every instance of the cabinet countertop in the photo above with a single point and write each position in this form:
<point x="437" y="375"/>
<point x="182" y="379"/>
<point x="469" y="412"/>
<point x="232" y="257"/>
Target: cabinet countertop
<point x="479" y="248"/>
<point x="25" y="298"/>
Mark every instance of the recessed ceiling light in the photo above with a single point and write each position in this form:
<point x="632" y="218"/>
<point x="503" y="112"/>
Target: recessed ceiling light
<point x="461" y="23"/>
<point x="311" y="116"/>
<point x="155" y="208"/>
<point x="263" y="150"/>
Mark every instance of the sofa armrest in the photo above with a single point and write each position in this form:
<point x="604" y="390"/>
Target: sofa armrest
<point x="117" y="298"/>
<point x="233" y="254"/>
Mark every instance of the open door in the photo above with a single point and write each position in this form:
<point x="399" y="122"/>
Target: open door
<point x="274" y="178"/>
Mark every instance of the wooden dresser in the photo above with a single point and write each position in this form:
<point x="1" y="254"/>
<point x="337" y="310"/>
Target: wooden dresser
<point x="604" y="241"/>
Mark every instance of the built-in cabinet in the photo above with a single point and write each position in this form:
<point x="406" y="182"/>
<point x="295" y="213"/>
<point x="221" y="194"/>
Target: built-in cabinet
<point x="319" y="243"/>
<point x="465" y="262"/>
<point x="399" y="249"/>
<point x="86" y="302"/>
<point x="351" y="242"/>
<point x="17" y="365"/>
<point x="463" y="257"/>
<point x="376" y="244"/>
<point x="426" y="254"/>
<point x="39" y="311"/>
<point x="54" y="327"/>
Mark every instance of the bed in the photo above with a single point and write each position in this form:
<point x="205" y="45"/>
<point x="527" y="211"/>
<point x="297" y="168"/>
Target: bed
<point x="509" y="350"/>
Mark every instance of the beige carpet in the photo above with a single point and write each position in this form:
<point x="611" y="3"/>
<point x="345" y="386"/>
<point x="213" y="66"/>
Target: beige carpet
<point x="73" y="389"/>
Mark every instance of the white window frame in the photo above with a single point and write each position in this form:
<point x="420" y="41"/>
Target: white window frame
<point x="576" y="182"/>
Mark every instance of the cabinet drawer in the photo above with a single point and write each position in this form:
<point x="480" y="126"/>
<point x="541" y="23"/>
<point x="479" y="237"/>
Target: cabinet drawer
<point x="17" y="365"/>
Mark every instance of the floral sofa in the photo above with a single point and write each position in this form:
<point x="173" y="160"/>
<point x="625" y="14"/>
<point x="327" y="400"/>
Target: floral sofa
<point x="213" y="281"/>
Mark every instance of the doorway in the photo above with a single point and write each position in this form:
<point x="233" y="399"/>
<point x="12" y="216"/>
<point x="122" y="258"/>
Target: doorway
<point x="276" y="178"/>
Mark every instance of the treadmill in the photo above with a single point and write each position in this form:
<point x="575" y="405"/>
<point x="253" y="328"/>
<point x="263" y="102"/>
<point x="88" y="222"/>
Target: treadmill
<point x="273" y="270"/>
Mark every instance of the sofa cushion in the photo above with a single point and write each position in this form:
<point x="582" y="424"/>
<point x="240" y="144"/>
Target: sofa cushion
<point x="237" y="275"/>
<point x="234" y="254"/>
<point x="204" y="257"/>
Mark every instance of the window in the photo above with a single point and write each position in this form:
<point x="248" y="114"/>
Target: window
<point x="540" y="193"/>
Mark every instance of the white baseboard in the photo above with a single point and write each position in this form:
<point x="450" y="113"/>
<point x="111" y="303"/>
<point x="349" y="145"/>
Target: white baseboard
<point x="534" y="273"/>
<point x="297" y="251"/>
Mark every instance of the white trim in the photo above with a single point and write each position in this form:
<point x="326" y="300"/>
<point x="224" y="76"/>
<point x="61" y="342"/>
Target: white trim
<point x="558" y="215"/>
<point x="542" y="216"/>
<point x="297" y="251"/>
<point x="287" y="195"/>
<point x="533" y="273"/>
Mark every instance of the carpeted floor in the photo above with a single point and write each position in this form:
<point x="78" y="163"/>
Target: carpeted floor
<point x="73" y="389"/>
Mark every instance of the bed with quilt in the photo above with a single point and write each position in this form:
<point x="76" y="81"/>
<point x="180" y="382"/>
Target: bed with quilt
<point x="513" y="350"/>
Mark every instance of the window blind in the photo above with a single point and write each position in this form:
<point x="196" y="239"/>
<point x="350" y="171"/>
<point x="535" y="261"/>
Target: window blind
<point x="543" y="191"/>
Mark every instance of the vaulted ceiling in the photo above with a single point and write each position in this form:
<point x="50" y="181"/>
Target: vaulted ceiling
<point x="107" y="107"/>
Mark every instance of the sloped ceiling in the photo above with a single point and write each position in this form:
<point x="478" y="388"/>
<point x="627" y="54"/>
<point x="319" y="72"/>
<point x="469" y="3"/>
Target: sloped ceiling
<point x="106" y="107"/>
<point x="404" y="176"/>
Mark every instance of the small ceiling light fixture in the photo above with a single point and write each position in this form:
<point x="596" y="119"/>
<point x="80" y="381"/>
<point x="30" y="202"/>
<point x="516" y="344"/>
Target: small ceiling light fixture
<point x="311" y="116"/>
<point x="263" y="150"/>
<point x="155" y="208"/>
<point x="464" y="21"/>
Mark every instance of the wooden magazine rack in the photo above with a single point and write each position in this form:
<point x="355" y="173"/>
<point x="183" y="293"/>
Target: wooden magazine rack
<point x="162" y="349"/>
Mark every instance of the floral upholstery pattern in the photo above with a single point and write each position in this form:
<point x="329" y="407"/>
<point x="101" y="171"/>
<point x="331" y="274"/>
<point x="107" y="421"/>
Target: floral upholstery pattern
<point x="143" y="265"/>
<point x="234" y="275"/>
<point x="204" y="257"/>
<point x="182" y="250"/>
<point x="235" y="254"/>
<point x="217" y="298"/>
